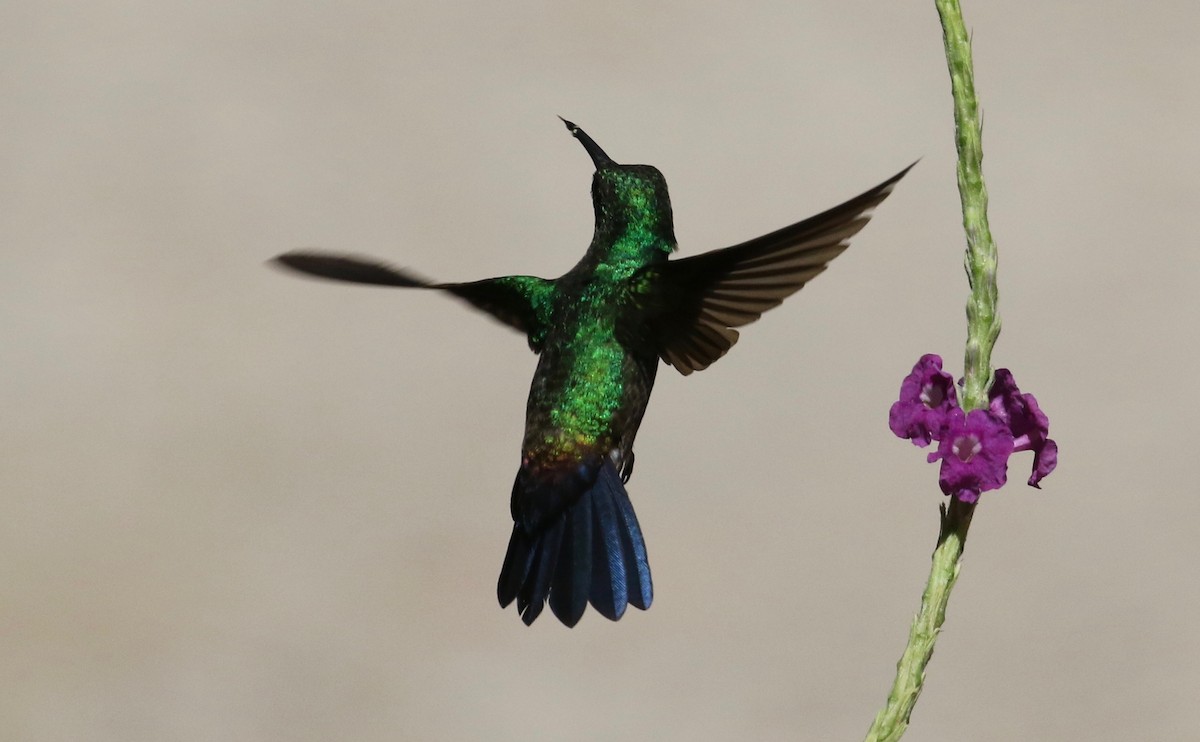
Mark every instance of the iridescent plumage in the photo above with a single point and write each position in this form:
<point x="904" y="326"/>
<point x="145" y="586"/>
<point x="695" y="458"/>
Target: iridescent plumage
<point x="600" y="331"/>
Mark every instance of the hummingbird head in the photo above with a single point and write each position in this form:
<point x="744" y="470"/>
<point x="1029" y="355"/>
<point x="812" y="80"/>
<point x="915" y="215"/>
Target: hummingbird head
<point x="628" y="198"/>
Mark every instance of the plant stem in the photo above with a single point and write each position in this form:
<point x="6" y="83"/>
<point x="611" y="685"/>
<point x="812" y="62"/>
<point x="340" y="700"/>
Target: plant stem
<point x="891" y="723"/>
<point x="983" y="323"/>
<point x="983" y="327"/>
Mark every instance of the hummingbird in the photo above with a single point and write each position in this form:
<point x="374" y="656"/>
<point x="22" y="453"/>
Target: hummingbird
<point x="600" y="331"/>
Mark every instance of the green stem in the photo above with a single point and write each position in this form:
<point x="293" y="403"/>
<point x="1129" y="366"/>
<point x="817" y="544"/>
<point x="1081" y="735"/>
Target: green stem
<point x="983" y="327"/>
<point x="983" y="323"/>
<point x="891" y="723"/>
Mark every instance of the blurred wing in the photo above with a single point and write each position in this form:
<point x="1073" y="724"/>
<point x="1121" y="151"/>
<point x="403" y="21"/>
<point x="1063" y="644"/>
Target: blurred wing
<point x="350" y="268"/>
<point x="692" y="305"/>
<point x="521" y="302"/>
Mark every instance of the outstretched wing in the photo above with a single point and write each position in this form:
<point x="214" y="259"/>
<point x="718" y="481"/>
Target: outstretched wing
<point x="691" y="305"/>
<point x="521" y="302"/>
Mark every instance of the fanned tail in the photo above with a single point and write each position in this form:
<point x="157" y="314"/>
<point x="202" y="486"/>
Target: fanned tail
<point x="591" y="550"/>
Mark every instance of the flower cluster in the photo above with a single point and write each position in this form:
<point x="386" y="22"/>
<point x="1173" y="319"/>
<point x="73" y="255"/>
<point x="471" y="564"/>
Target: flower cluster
<point x="973" y="446"/>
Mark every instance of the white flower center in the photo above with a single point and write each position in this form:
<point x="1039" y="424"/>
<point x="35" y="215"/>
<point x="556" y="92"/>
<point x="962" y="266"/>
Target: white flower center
<point x="932" y="395"/>
<point x="965" y="447"/>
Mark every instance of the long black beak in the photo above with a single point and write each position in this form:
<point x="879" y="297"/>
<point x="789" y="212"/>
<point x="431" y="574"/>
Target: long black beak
<point x="598" y="157"/>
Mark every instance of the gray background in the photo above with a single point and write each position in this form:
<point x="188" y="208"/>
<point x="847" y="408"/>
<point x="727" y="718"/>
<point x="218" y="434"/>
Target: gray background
<point x="242" y="506"/>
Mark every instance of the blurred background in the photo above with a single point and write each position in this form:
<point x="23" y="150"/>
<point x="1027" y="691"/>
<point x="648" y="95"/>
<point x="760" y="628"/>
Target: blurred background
<point x="239" y="505"/>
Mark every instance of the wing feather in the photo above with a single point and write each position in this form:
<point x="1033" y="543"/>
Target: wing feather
<point x="521" y="302"/>
<point x="693" y="304"/>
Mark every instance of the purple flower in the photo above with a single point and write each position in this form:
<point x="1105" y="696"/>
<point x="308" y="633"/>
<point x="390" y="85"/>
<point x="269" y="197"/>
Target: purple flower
<point x="974" y="449"/>
<point x="927" y="397"/>
<point x="1029" y="426"/>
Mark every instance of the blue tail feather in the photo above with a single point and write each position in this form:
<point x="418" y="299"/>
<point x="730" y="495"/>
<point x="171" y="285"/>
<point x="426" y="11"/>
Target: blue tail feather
<point x="591" y="550"/>
<point x="609" y="594"/>
<point x="641" y="589"/>
<point x="573" y="574"/>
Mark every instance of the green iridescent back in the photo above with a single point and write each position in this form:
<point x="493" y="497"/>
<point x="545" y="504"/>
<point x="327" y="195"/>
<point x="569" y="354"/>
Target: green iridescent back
<point x="594" y="377"/>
